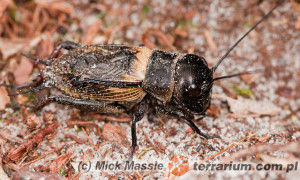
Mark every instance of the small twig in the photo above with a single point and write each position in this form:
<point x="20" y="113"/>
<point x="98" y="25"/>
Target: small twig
<point x="70" y="175"/>
<point x="242" y="115"/>
<point x="137" y="175"/>
<point x="161" y="120"/>
<point x="143" y="152"/>
<point x="60" y="162"/>
<point x="107" y="175"/>
<point x="151" y="143"/>
<point x="42" y="156"/>
<point x="79" y="140"/>
<point x="11" y="138"/>
<point x="264" y="138"/>
<point x="18" y="152"/>
<point x="230" y="147"/>
<point x="117" y="29"/>
<point x="162" y="38"/>
<point x="210" y="41"/>
<point x="85" y="123"/>
<point x="25" y="174"/>
<point x="81" y="123"/>
<point x="120" y="118"/>
<point x="224" y="150"/>
<point x="160" y="146"/>
<point x="13" y="166"/>
<point x="88" y="137"/>
<point x="291" y="147"/>
<point x="3" y="175"/>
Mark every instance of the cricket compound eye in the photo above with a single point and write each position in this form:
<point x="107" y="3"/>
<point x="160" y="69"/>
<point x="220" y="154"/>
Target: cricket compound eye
<point x="192" y="77"/>
<point x="194" y="90"/>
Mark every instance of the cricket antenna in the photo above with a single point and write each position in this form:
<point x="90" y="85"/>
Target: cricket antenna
<point x="238" y="74"/>
<point x="213" y="69"/>
<point x="230" y="76"/>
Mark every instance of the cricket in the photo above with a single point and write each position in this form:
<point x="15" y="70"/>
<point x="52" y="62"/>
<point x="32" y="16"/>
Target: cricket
<point x="114" y="79"/>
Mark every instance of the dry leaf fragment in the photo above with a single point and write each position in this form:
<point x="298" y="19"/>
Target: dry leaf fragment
<point x="249" y="78"/>
<point x="16" y="153"/>
<point x="287" y="92"/>
<point x="33" y="121"/>
<point x="25" y="174"/>
<point x="10" y="47"/>
<point x="7" y="135"/>
<point x="60" y="162"/>
<point x="77" y="139"/>
<point x="181" y="32"/>
<point x="242" y="106"/>
<point x="22" y="99"/>
<point x="3" y="5"/>
<point x="57" y="5"/>
<point x="88" y="155"/>
<point x="4" y="98"/>
<point x="210" y="40"/>
<point x="246" y="106"/>
<point x="92" y="32"/>
<point x="115" y="133"/>
<point x="296" y="7"/>
<point x="23" y="71"/>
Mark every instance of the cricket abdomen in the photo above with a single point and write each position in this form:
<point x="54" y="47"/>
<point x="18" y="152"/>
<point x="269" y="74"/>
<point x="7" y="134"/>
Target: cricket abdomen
<point x="82" y="73"/>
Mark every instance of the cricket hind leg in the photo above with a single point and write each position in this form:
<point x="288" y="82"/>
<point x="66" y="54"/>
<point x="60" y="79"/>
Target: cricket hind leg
<point x="137" y="113"/>
<point x="38" y="85"/>
<point x="37" y="82"/>
<point x="88" y="105"/>
<point x="35" y="86"/>
<point x="84" y="104"/>
<point x="38" y="104"/>
<point x="68" y="45"/>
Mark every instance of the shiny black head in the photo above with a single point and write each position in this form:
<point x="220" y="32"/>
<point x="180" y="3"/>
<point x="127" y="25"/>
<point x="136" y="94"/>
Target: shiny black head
<point x="194" y="80"/>
<point x="193" y="84"/>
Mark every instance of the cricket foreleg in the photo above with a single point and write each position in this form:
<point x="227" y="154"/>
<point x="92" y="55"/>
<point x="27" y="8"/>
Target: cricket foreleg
<point x="188" y="120"/>
<point x="136" y="115"/>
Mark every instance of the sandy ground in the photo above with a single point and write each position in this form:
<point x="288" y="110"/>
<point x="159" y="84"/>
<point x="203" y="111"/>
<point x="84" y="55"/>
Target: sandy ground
<point x="262" y="129"/>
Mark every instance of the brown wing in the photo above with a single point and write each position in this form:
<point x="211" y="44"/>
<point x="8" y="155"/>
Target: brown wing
<point x="107" y="72"/>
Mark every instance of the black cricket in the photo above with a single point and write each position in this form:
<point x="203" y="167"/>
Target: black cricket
<point x="130" y="79"/>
